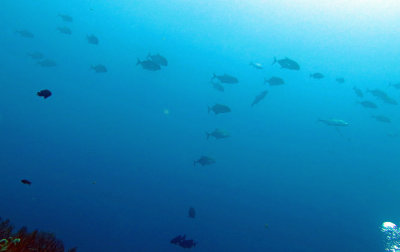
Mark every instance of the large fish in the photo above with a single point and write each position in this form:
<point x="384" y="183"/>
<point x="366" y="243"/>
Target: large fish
<point x="274" y="81"/>
<point x="368" y="104"/>
<point x="381" y="118"/>
<point x="157" y="58"/>
<point x="259" y="97"/>
<point x="219" y="109"/>
<point x="287" y="63"/>
<point x="148" y="65"/>
<point x="226" y="78"/>
<point x="218" y="134"/>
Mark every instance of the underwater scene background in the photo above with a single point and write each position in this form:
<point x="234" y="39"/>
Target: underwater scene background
<point x="114" y="154"/>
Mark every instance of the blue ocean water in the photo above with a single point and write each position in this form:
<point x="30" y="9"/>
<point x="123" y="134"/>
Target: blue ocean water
<point x="110" y="155"/>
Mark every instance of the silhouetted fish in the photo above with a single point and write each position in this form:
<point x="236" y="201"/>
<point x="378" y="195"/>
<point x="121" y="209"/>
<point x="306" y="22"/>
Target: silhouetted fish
<point x="92" y="39"/>
<point x="368" y="104"/>
<point x="340" y="80"/>
<point x="317" y="76"/>
<point x="218" y="134"/>
<point x="187" y="244"/>
<point x="217" y="86"/>
<point x="274" y="81"/>
<point x="192" y="213"/>
<point x="36" y="55"/>
<point x="66" y="18"/>
<point x="64" y="30"/>
<point x="45" y="93"/>
<point x="287" y="63"/>
<point x="256" y="65"/>
<point x="334" y="122"/>
<point x="148" y="65"/>
<point x="158" y="59"/>
<point x="178" y="239"/>
<point x="204" y="160"/>
<point x="26" y="182"/>
<point x="259" y="97"/>
<point x="358" y="92"/>
<point x="381" y="118"/>
<point x="226" y="78"/>
<point x="99" y="68"/>
<point x="25" y="33"/>
<point x="219" y="109"/>
<point x="47" y="63"/>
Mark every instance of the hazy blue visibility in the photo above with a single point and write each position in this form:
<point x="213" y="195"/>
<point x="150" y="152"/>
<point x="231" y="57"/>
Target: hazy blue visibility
<point x="110" y="153"/>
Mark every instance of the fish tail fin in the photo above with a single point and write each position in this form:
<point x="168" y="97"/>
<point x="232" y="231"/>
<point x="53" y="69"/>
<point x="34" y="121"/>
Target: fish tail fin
<point x="208" y="135"/>
<point x="274" y="61"/>
<point x="138" y="62"/>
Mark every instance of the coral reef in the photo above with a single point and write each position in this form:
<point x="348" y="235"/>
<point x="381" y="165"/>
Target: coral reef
<point x="24" y="241"/>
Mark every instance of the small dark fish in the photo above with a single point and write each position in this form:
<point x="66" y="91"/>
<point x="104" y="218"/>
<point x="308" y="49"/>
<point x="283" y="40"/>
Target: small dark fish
<point x="219" y="109"/>
<point x="218" y="134"/>
<point x="158" y="59"/>
<point x="274" y="81"/>
<point x="317" y="76"/>
<point x="178" y="239"/>
<point x="204" y="160"/>
<point x="340" y="80"/>
<point x="358" y="92"/>
<point x="92" y="39"/>
<point x="64" y="30"/>
<point x="192" y="213"/>
<point x="47" y="63"/>
<point x="45" y="93"/>
<point x="287" y="64"/>
<point x="99" y="68"/>
<point x="217" y="86"/>
<point x="66" y="18"/>
<point x="148" y="65"/>
<point x="25" y="33"/>
<point x="187" y="244"/>
<point x="228" y="79"/>
<point x="36" y="55"/>
<point x="26" y="182"/>
<point x="381" y="118"/>
<point x="259" y="97"/>
<point x="368" y="104"/>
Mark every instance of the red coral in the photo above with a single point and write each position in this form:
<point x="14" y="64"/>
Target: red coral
<point x="23" y="241"/>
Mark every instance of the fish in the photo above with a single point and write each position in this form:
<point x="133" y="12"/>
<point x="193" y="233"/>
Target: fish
<point x="219" y="109"/>
<point x="64" y="30"/>
<point x="148" y="65"/>
<point x="334" y="122"/>
<point x="26" y="182"/>
<point x="218" y="134"/>
<point x="381" y="118"/>
<point x="226" y="78"/>
<point x="47" y="63"/>
<point x="358" y="92"/>
<point x="187" y="244"/>
<point x="92" y="39"/>
<point x="204" y="160"/>
<point x="217" y="86"/>
<point x="396" y="85"/>
<point x="178" y="239"/>
<point x="45" y="93"/>
<point x="317" y="76"/>
<point x="378" y="93"/>
<point x="258" y="66"/>
<point x="368" y="104"/>
<point x="99" y="68"/>
<point x="192" y="213"/>
<point x="66" y="18"/>
<point x="158" y="59"/>
<point x="287" y="63"/>
<point x="340" y="80"/>
<point x="25" y="34"/>
<point x="259" y="97"/>
<point x="390" y="100"/>
<point x="36" y="55"/>
<point x="274" y="81"/>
